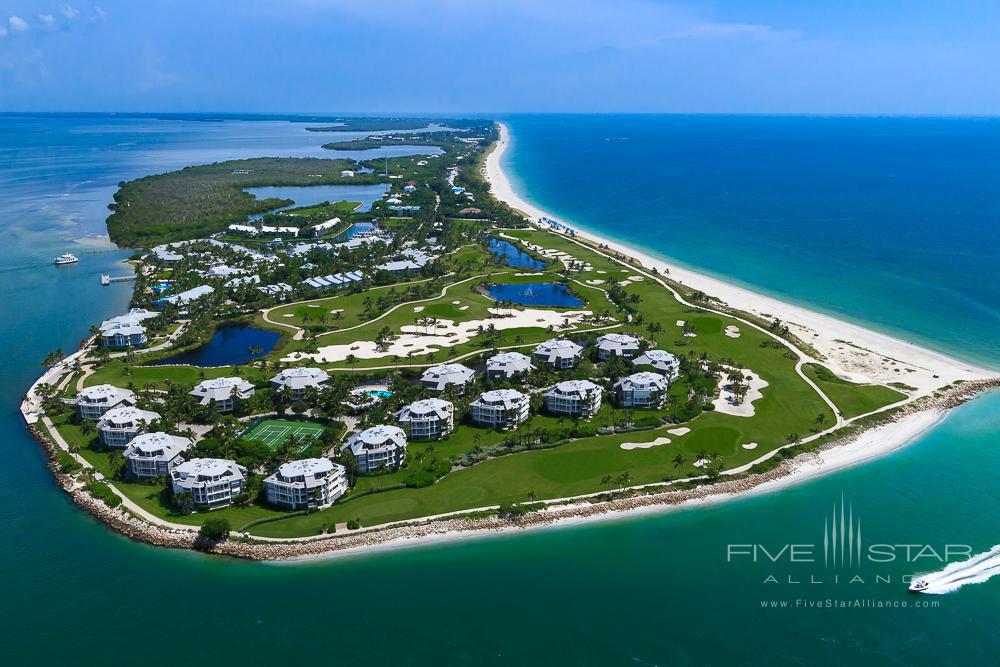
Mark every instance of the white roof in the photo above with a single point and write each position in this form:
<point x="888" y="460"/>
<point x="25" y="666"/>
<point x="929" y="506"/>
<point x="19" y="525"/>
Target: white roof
<point x="160" y="446"/>
<point x="508" y="398"/>
<point x="376" y="438"/>
<point x="578" y="388"/>
<point x="643" y="381"/>
<point x="220" y="389"/>
<point x="126" y="415"/>
<point x="300" y="378"/>
<point x="198" y="472"/>
<point x="428" y="407"/>
<point x="105" y="394"/>
<point x="190" y="295"/>
<point x="446" y="374"/>
<point x="560" y="348"/>
<point x="249" y="229"/>
<point x="509" y="362"/>
<point x="131" y="318"/>
<point x="657" y="358"/>
<point x="332" y="222"/>
<point x="223" y="271"/>
<point x="617" y="341"/>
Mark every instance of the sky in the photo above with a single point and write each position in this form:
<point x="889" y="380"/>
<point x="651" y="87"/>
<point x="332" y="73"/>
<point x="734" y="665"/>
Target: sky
<point x="446" y="56"/>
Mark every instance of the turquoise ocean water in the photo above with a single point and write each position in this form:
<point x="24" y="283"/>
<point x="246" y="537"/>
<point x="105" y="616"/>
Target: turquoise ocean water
<point x="653" y="589"/>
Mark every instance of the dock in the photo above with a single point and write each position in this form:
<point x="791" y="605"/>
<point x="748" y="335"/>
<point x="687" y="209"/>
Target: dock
<point x="108" y="279"/>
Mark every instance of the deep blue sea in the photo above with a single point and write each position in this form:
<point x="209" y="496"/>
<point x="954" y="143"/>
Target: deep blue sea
<point x="766" y="201"/>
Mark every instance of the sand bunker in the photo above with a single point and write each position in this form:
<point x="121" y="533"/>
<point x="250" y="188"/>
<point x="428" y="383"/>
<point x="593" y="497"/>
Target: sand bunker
<point x="701" y="463"/>
<point x="645" y="445"/>
<point x="682" y="430"/>
<point x="289" y="315"/>
<point x="749" y="445"/>
<point x="733" y="331"/>
<point x="595" y="282"/>
<point x="418" y="339"/>
<point x="726" y="402"/>
<point x="464" y="308"/>
<point x="681" y="323"/>
<point x="418" y="309"/>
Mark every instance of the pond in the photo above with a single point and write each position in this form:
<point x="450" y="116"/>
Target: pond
<point x="514" y="256"/>
<point x="310" y="195"/>
<point x="229" y="346"/>
<point x="554" y="295"/>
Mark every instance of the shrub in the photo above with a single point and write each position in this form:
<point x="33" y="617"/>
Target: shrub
<point x="353" y="524"/>
<point x="67" y="463"/>
<point x="215" y="529"/>
<point x="103" y="492"/>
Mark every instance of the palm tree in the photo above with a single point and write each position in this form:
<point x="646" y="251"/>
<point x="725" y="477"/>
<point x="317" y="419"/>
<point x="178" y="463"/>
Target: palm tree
<point x="679" y="460"/>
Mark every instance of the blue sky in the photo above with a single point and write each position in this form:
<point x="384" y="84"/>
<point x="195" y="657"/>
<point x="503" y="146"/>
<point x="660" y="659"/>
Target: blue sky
<point x="727" y="56"/>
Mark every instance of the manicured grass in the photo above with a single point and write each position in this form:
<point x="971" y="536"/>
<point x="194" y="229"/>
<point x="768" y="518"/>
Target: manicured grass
<point x="121" y="375"/>
<point x="275" y="432"/>
<point x="852" y="399"/>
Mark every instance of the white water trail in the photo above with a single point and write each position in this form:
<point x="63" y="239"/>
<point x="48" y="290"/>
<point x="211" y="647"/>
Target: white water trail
<point x="975" y="570"/>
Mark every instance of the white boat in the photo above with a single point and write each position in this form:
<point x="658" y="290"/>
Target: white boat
<point x="919" y="585"/>
<point x="66" y="258"/>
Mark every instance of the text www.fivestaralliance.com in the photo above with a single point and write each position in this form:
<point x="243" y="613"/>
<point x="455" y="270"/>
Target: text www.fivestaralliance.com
<point x="850" y="603"/>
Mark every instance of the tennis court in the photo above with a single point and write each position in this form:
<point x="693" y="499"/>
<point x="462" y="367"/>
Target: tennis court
<point x="273" y="432"/>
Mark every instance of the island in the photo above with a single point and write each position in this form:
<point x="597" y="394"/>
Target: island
<point x="299" y="380"/>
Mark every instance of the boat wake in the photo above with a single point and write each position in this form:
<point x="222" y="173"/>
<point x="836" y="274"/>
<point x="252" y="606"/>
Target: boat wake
<point x="975" y="570"/>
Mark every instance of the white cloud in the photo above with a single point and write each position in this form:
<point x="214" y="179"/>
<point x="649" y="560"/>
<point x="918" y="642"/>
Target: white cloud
<point x="724" y="30"/>
<point x="17" y="24"/>
<point x="48" y="21"/>
<point x="3" y="31"/>
<point x="68" y="11"/>
<point x="100" y="16"/>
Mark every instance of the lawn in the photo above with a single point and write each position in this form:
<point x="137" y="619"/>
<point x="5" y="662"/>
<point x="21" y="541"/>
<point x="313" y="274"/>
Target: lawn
<point x="275" y="432"/>
<point x="852" y="399"/>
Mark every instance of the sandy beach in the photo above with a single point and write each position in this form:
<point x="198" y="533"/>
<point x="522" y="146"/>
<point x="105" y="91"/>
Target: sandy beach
<point x="851" y="351"/>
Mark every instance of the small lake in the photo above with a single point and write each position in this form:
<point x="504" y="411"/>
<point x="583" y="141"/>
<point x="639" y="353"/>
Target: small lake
<point x="514" y="256"/>
<point x="554" y="295"/>
<point x="310" y="195"/>
<point x="228" y="346"/>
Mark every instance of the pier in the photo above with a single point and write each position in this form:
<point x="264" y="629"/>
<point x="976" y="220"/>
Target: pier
<point x="108" y="279"/>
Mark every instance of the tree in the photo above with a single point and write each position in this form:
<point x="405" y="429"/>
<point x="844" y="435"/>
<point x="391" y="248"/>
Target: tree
<point x="215" y="529"/>
<point x="679" y="460"/>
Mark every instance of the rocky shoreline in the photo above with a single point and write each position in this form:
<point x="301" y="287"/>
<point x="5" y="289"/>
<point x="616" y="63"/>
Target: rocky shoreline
<point x="245" y="547"/>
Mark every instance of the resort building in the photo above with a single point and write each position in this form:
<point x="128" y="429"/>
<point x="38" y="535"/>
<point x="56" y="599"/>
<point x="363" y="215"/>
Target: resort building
<point x="659" y="361"/>
<point x="558" y="353"/>
<point x="334" y="281"/>
<point x="245" y="230"/>
<point x="188" y="296"/>
<point x="210" y="482"/>
<point x="223" y="271"/>
<point x="504" y="409"/>
<point x="575" y="398"/>
<point x="439" y="378"/>
<point x="93" y="402"/>
<point x="118" y="426"/>
<point x="154" y="455"/>
<point x="222" y="392"/>
<point x="306" y="484"/>
<point x="295" y="381"/>
<point x="429" y="418"/>
<point x="507" y="365"/>
<point x="275" y="231"/>
<point x="617" y="345"/>
<point x="324" y="227"/>
<point x="641" y="390"/>
<point x="126" y="330"/>
<point x="378" y="447"/>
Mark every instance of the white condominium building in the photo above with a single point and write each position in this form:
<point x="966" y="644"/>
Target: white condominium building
<point x="154" y="454"/>
<point x="429" y="418"/>
<point x="576" y="398"/>
<point x="222" y="391"/>
<point x="379" y="447"/>
<point x="501" y="409"/>
<point x="93" y="402"/>
<point x="118" y="426"/>
<point x="308" y="483"/>
<point x="210" y="482"/>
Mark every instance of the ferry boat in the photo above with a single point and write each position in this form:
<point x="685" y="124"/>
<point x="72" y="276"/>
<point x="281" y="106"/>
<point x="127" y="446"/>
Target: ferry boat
<point x="66" y="258"/>
<point x="919" y="585"/>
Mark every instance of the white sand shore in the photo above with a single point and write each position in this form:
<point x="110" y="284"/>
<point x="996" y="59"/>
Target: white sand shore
<point x="851" y="351"/>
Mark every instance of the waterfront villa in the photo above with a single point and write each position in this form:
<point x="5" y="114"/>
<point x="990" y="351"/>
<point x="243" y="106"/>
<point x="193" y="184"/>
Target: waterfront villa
<point x="503" y="409"/>
<point x="378" y="447"/>
<point x="324" y="227"/>
<point x="211" y="483"/>
<point x="429" y="418"/>
<point x="93" y="402"/>
<point x="439" y="378"/>
<point x="126" y="330"/>
<point x="118" y="426"/>
<point x="296" y="381"/>
<point x="617" y="345"/>
<point x="306" y="484"/>
<point x="188" y="296"/>
<point x="507" y="365"/>
<point x="245" y="230"/>
<point x="659" y="361"/>
<point x="575" y="398"/>
<point x="558" y="353"/>
<point x="222" y="392"/>
<point x="644" y="389"/>
<point x="154" y="455"/>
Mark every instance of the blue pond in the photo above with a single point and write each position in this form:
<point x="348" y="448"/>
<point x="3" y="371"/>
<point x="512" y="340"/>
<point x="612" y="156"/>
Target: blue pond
<point x="308" y="195"/>
<point x="554" y="295"/>
<point x="514" y="256"/>
<point x="229" y="346"/>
